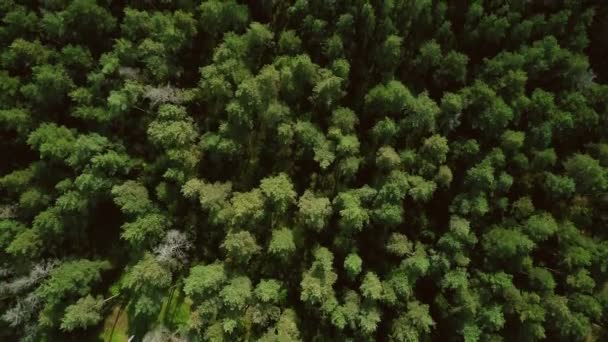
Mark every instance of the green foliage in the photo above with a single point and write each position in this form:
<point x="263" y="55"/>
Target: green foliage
<point x="289" y="42"/>
<point x="269" y="291"/>
<point x="286" y="329"/>
<point x="85" y="313"/>
<point x="399" y="245"/>
<point x="279" y="191"/>
<point x="491" y="113"/>
<point x="211" y="195"/>
<point x="70" y="279"/>
<point x="388" y="99"/>
<point x="52" y="141"/>
<point x="353" y="216"/>
<point x="317" y="283"/>
<point x="248" y="207"/>
<point x="371" y="287"/>
<point x="435" y="149"/>
<point x="240" y="246"/>
<point x="314" y="211"/>
<point x="147" y="281"/>
<point x="387" y="158"/>
<point x="512" y="141"/>
<point x="559" y="186"/>
<point x="169" y="131"/>
<point x="390" y="52"/>
<point x="236" y="294"/>
<point x="506" y="243"/>
<point x="413" y="325"/>
<point x="132" y="198"/>
<point x="344" y="119"/>
<point x="304" y="170"/>
<point x="352" y="264"/>
<point x="220" y="16"/>
<point x="80" y="19"/>
<point x="26" y="243"/>
<point x="421" y="190"/>
<point x="204" y="279"/>
<point x="587" y="173"/>
<point x="540" y="227"/>
<point x="50" y="85"/>
<point x="282" y="243"/>
<point x="147" y="228"/>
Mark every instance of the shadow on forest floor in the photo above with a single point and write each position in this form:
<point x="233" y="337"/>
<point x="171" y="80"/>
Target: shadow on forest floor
<point x="174" y="313"/>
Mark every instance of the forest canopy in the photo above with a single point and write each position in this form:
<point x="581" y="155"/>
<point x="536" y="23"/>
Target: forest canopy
<point x="282" y="171"/>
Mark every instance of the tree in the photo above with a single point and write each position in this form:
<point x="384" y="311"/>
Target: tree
<point x="286" y="329"/>
<point x="173" y="251"/>
<point x="491" y="113"/>
<point x="453" y="68"/>
<point x="203" y="280"/>
<point x="559" y="186"/>
<point x="20" y="21"/>
<point x="395" y="187"/>
<point x="412" y="325"/>
<point x="422" y="115"/>
<point x="352" y="264"/>
<point x="68" y="280"/>
<point x="132" y="197"/>
<point x="172" y="129"/>
<point x="25" y="243"/>
<point x="328" y="90"/>
<point x="390" y="52"/>
<point x="81" y="18"/>
<point x="353" y="216"/>
<point x="279" y="191"/>
<point x="587" y="173"/>
<point x="218" y="17"/>
<point x="147" y="281"/>
<point x="304" y="170"/>
<point x="85" y="313"/>
<point x="387" y="158"/>
<point x="421" y="190"/>
<point x="429" y="55"/>
<point x="236" y="293"/>
<point x="506" y="243"/>
<point x="541" y="226"/>
<point x="451" y="110"/>
<point x="371" y="287"/>
<point x="512" y="141"/>
<point x="24" y="311"/>
<point x="149" y="228"/>
<point x="388" y="99"/>
<point x="344" y="119"/>
<point x="385" y="130"/>
<point x="269" y="291"/>
<point x="289" y="42"/>
<point x="248" y="207"/>
<point x="523" y="207"/>
<point x="435" y="149"/>
<point x="282" y="243"/>
<point x="317" y="283"/>
<point x="399" y="245"/>
<point x="50" y="85"/>
<point x="52" y="141"/>
<point x="240" y="246"/>
<point x="444" y="176"/>
<point x="211" y="195"/>
<point x="16" y="119"/>
<point x="314" y="211"/>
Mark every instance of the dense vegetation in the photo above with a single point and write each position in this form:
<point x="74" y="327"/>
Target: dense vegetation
<point x="308" y="170"/>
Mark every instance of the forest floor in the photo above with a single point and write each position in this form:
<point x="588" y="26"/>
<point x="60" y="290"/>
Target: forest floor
<point x="175" y="312"/>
